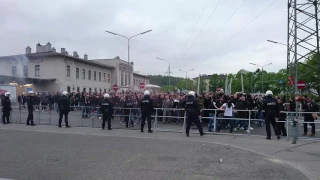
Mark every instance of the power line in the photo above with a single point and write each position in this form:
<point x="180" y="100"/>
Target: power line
<point x="194" y="27"/>
<point x="244" y="27"/>
<point x="202" y="29"/>
<point x="234" y="12"/>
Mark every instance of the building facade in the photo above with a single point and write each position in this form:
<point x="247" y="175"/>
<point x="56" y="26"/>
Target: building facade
<point x="138" y="79"/>
<point x="49" y="71"/>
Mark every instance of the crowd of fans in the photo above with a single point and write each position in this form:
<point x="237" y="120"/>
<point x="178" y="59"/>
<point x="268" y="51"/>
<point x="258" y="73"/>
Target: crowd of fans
<point x="164" y="100"/>
<point x="213" y="105"/>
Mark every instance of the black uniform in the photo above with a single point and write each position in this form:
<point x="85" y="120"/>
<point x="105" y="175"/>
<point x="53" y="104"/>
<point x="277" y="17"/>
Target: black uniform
<point x="128" y="104"/>
<point x="6" y="108"/>
<point x="282" y="117"/>
<point x="64" y="109"/>
<point x="146" y="106"/>
<point x="309" y="107"/>
<point x="107" y="112"/>
<point x="270" y="106"/>
<point x="191" y="107"/>
<point x="31" y="101"/>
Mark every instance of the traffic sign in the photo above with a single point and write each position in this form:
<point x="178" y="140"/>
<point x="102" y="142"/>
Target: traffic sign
<point x="280" y="81"/>
<point x="301" y="84"/>
<point x="115" y="87"/>
<point x="141" y="85"/>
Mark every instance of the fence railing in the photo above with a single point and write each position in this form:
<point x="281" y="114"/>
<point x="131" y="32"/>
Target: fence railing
<point x="164" y="119"/>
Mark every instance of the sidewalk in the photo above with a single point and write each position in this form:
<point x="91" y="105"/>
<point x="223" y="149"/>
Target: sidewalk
<point x="304" y="156"/>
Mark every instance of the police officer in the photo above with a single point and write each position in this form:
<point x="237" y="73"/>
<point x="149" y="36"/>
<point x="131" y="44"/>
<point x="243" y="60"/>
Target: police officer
<point x="191" y="107"/>
<point x="6" y="108"/>
<point x="107" y="111"/>
<point x="270" y="106"/>
<point x="146" y="106"/>
<point x="64" y="108"/>
<point x="30" y="103"/>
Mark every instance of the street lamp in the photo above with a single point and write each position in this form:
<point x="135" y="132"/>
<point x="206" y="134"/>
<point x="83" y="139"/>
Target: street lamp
<point x="169" y="68"/>
<point x="275" y="42"/>
<point x="186" y="74"/>
<point x="262" y="73"/>
<point x="128" y="38"/>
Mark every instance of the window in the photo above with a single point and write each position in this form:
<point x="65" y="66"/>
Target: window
<point x="89" y="74"/>
<point x="108" y="77"/>
<point x="84" y="90"/>
<point x="104" y="77"/>
<point x="83" y="75"/>
<point x="89" y="90"/>
<point x="95" y="89"/>
<point x="14" y="70"/>
<point x="121" y="78"/>
<point x="25" y="71"/>
<point x="77" y="73"/>
<point x="100" y="77"/>
<point x="95" y="75"/>
<point x="68" y="72"/>
<point x="37" y="70"/>
<point x="125" y="79"/>
<point x="100" y="91"/>
<point x="68" y="89"/>
<point x="105" y="90"/>
<point x="78" y="89"/>
<point x="129" y="79"/>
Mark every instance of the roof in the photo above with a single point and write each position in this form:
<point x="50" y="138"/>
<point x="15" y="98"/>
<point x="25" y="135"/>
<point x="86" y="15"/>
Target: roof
<point x="45" y="54"/>
<point x="141" y="75"/>
<point x="25" y="80"/>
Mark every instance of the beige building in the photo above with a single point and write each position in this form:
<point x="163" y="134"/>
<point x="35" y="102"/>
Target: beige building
<point x="138" y="79"/>
<point x="49" y="71"/>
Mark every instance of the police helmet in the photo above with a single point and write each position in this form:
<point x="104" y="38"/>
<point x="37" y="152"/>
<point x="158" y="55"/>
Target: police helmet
<point x="7" y="94"/>
<point x="106" y="95"/>
<point x="64" y="93"/>
<point x="269" y="93"/>
<point x="147" y="93"/>
<point x="31" y="92"/>
<point x="192" y="93"/>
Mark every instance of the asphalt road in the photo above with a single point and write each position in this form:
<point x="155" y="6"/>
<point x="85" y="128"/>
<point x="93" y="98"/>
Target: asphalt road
<point x="29" y="155"/>
<point x="75" y="119"/>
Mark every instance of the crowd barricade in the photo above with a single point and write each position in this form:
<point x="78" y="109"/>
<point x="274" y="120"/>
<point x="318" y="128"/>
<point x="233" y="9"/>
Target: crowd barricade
<point x="175" y="121"/>
<point x="298" y="124"/>
<point x="87" y="116"/>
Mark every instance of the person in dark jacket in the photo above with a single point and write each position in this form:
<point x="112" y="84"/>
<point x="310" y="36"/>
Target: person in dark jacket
<point x="107" y="111"/>
<point x="281" y="117"/>
<point x="64" y="108"/>
<point x="6" y="108"/>
<point x="270" y="106"/>
<point x="146" y="106"/>
<point x="310" y="106"/>
<point x="128" y="105"/>
<point x="191" y="107"/>
<point x="241" y="105"/>
<point x="30" y="103"/>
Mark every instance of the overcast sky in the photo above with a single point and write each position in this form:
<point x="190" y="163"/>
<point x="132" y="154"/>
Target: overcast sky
<point x="183" y="32"/>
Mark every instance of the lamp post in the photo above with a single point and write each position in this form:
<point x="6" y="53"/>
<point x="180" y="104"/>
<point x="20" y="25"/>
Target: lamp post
<point x="169" y="69"/>
<point x="186" y="74"/>
<point x="262" y="73"/>
<point x="128" y="38"/>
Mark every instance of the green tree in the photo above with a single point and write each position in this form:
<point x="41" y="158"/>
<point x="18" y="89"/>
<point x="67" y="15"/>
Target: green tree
<point x="191" y="85"/>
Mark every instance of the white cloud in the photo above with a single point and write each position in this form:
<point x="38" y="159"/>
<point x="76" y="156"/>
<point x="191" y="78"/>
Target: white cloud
<point x="79" y="25"/>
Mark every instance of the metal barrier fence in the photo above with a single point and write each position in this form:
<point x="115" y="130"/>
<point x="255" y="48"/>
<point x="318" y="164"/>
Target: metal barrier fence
<point x="164" y="119"/>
